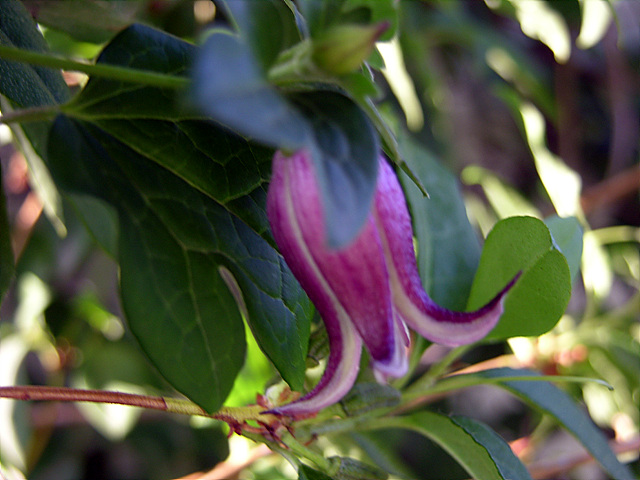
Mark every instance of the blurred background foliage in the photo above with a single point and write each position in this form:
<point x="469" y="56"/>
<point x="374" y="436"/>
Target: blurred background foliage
<point x="535" y="105"/>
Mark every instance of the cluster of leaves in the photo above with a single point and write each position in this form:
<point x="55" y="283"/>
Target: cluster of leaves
<point x="164" y="155"/>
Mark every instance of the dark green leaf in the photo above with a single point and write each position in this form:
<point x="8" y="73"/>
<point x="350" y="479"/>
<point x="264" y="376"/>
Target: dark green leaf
<point x="185" y="260"/>
<point x="509" y="465"/>
<point x="550" y="399"/>
<point x="448" y="248"/>
<point x="230" y="87"/>
<point x="177" y="304"/>
<point x="7" y="267"/>
<point x="539" y="298"/>
<point x="224" y="167"/>
<point x="26" y="85"/>
<point x="345" y="151"/>
<point x="567" y="238"/>
<point x="100" y="219"/>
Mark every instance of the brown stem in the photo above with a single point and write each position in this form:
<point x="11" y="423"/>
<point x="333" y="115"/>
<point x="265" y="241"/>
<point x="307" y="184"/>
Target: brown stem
<point x="237" y="418"/>
<point x="61" y="394"/>
<point x="544" y="469"/>
<point x="612" y="189"/>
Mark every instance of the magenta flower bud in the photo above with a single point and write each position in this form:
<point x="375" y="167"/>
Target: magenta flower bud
<point x="367" y="292"/>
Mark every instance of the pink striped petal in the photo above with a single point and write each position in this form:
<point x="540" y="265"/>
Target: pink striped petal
<point x="349" y="287"/>
<point x="411" y="301"/>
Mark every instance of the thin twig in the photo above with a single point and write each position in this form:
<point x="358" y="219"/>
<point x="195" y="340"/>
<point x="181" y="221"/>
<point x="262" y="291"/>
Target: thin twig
<point x="611" y="189"/>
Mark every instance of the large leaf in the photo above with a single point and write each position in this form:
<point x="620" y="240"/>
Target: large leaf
<point x="185" y="263"/>
<point x="448" y="248"/>
<point x="539" y="298"/>
<point x="199" y="160"/>
<point x="547" y="397"/>
<point x="175" y="300"/>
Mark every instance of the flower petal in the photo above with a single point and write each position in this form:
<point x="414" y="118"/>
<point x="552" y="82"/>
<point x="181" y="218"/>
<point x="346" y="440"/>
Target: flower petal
<point x="349" y="287"/>
<point x="339" y="374"/>
<point x="411" y="301"/>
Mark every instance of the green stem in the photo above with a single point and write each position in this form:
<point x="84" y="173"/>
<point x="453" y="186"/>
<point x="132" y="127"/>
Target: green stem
<point x="299" y="450"/>
<point x="429" y="378"/>
<point x="32" y="114"/>
<point x="113" y="72"/>
<point x="457" y="382"/>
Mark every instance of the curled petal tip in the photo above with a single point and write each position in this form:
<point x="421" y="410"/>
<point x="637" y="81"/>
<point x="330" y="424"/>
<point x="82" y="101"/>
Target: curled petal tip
<point x="456" y="328"/>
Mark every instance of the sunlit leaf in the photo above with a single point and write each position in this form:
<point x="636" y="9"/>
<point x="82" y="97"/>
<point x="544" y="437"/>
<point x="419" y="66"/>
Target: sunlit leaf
<point x="539" y="298"/>
<point x="567" y="237"/>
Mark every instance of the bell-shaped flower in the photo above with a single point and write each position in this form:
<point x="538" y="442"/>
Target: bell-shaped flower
<point x="367" y="292"/>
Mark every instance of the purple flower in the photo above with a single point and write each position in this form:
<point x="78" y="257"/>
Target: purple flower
<point x="368" y="292"/>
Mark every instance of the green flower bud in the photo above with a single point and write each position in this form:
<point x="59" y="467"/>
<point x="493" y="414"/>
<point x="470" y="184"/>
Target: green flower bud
<point x="343" y="48"/>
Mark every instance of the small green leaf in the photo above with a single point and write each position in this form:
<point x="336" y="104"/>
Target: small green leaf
<point x="230" y="87"/>
<point x="509" y="465"/>
<point x="345" y="151"/>
<point x="567" y="238"/>
<point x="548" y="398"/>
<point x="455" y="440"/>
<point x="448" y="248"/>
<point x="539" y="298"/>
